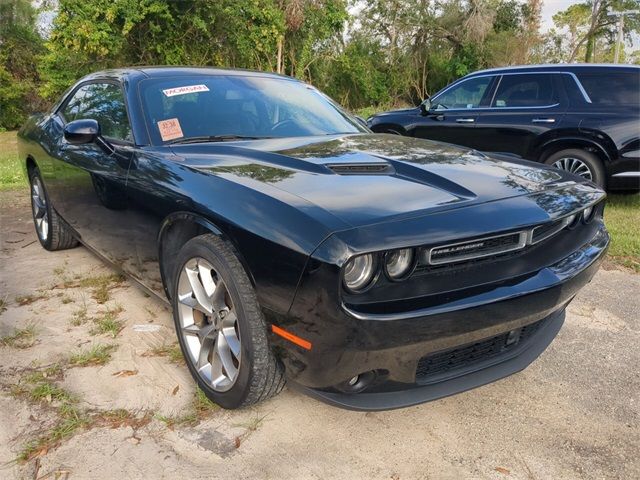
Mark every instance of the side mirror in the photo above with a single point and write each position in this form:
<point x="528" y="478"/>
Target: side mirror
<point x="362" y="121"/>
<point x="425" y="106"/>
<point x="79" y="132"/>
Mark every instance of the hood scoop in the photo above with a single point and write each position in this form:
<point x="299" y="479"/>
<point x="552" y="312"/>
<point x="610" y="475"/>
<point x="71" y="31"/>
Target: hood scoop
<point x="377" y="168"/>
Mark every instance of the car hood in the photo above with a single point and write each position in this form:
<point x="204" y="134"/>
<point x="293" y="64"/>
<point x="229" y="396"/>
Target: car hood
<point x="369" y="178"/>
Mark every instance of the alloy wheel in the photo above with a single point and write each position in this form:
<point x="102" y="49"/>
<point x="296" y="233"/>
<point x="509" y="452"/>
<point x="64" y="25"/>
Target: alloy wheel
<point x="574" y="165"/>
<point x="208" y="324"/>
<point x="40" y="211"/>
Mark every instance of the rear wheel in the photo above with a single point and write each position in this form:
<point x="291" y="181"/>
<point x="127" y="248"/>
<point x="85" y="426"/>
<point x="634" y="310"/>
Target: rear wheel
<point x="579" y="162"/>
<point x="221" y="329"/>
<point x="52" y="232"/>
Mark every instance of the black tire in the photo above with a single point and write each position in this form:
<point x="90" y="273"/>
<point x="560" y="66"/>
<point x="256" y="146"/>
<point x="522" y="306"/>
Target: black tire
<point x="563" y="160"/>
<point x="57" y="234"/>
<point x="259" y="374"/>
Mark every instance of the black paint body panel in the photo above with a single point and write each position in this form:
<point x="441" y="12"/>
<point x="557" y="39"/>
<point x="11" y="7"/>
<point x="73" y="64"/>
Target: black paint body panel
<point x="294" y="222"/>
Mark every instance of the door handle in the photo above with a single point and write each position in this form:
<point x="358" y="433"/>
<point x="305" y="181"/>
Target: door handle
<point x="543" y="120"/>
<point x="465" y="120"/>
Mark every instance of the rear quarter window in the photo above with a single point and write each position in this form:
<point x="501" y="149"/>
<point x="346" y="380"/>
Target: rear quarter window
<point x="609" y="88"/>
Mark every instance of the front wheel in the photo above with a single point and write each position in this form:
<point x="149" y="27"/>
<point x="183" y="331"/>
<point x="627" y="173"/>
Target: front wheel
<point x="220" y="326"/>
<point x="52" y="232"/>
<point x="579" y="162"/>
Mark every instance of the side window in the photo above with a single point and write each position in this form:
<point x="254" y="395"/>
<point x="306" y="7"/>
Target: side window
<point x="104" y="103"/>
<point x="527" y="90"/>
<point x="609" y="88"/>
<point x="72" y="109"/>
<point x="467" y="94"/>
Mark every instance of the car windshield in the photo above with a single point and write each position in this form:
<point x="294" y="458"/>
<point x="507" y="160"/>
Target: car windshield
<point x="228" y="107"/>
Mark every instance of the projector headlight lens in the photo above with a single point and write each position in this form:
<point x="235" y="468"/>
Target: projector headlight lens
<point x="398" y="263"/>
<point x="358" y="272"/>
<point x="571" y="220"/>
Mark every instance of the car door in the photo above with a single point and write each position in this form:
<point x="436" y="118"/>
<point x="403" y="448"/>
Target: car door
<point x="451" y="116"/>
<point x="525" y="107"/>
<point x="93" y="179"/>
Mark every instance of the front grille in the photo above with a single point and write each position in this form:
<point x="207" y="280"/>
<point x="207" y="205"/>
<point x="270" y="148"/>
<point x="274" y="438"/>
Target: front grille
<point x="482" y="247"/>
<point x="464" y="357"/>
<point x="465" y="253"/>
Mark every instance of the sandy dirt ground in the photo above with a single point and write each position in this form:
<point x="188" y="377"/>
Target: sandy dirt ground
<point x="574" y="413"/>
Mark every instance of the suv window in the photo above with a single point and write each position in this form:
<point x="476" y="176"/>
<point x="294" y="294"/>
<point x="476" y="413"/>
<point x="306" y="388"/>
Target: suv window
<point x="534" y="90"/>
<point x="104" y="103"/>
<point x="610" y="88"/>
<point x="467" y="94"/>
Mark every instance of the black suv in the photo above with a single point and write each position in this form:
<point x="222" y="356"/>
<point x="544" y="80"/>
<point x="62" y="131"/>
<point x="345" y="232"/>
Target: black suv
<point x="581" y="118"/>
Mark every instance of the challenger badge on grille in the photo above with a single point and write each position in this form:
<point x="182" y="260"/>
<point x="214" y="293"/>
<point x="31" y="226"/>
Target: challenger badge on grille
<point x="478" y="248"/>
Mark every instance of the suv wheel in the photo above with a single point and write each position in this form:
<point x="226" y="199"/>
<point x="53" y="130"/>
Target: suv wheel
<point x="579" y="162"/>
<point x="221" y="328"/>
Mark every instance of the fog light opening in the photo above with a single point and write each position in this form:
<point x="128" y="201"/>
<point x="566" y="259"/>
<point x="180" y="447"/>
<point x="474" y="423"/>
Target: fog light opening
<point x="357" y="383"/>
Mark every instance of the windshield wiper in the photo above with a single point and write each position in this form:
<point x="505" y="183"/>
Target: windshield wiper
<point x="214" y="138"/>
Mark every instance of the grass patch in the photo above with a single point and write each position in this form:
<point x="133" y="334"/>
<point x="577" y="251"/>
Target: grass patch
<point x="108" y="324"/>
<point x="48" y="391"/>
<point x="171" y="351"/>
<point x="622" y="217"/>
<point x="202" y="405"/>
<point x="3" y="304"/>
<point x="20" y="338"/>
<point x="66" y="299"/>
<point x="11" y="176"/>
<point x="24" y="300"/>
<point x="172" y="421"/>
<point x="201" y="408"/>
<point x="101" y="285"/>
<point x="96" y="355"/>
<point x="79" y="317"/>
<point x="71" y="421"/>
<point x="120" y="417"/>
<point x="39" y="387"/>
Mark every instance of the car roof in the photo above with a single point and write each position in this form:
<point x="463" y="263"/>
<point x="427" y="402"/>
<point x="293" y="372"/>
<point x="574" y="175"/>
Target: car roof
<point x="177" y="71"/>
<point x="560" y="67"/>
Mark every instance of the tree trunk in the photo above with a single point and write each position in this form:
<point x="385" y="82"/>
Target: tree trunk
<point x="279" y="66"/>
<point x="588" y="57"/>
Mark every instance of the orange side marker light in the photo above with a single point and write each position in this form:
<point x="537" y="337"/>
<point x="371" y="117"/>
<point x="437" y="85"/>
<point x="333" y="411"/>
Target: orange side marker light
<point x="301" y="342"/>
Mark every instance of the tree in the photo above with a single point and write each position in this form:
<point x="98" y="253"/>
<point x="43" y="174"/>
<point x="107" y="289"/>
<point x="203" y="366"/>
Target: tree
<point x="20" y="44"/>
<point x="590" y="25"/>
<point x="273" y="35"/>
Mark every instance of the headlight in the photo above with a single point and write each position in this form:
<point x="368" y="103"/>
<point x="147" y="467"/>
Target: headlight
<point x="358" y="272"/>
<point x="398" y="263"/>
<point x="571" y="220"/>
<point x="587" y="214"/>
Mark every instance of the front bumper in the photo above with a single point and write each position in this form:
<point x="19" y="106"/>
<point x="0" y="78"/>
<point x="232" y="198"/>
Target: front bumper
<point x="484" y="373"/>
<point x="347" y="344"/>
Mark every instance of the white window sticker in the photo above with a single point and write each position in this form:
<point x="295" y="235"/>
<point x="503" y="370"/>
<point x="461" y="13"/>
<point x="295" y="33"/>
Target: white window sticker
<point x="172" y="92"/>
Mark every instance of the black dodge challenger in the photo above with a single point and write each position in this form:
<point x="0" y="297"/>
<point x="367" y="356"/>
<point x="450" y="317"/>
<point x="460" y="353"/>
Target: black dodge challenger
<point x="371" y="271"/>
